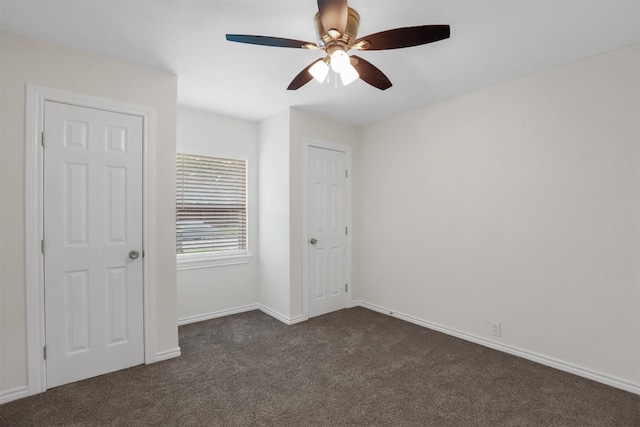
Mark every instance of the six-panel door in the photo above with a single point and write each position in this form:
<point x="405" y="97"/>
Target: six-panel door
<point x="327" y="225"/>
<point x="92" y="220"/>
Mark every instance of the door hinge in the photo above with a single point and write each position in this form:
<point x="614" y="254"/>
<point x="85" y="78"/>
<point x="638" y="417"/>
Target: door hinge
<point x="142" y="254"/>
<point x="346" y="287"/>
<point x="42" y="138"/>
<point x="346" y="173"/>
<point x="44" y="352"/>
<point x="346" y="230"/>
<point x="42" y="246"/>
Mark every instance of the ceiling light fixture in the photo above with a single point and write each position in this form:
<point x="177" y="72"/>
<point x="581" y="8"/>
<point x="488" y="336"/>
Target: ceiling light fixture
<point x="319" y="70"/>
<point x="340" y="63"/>
<point x="349" y="74"/>
<point x="339" y="60"/>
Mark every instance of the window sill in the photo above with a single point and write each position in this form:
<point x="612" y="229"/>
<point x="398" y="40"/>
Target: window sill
<point x="193" y="263"/>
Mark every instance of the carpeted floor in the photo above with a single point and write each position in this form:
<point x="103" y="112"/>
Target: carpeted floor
<point x="349" y="368"/>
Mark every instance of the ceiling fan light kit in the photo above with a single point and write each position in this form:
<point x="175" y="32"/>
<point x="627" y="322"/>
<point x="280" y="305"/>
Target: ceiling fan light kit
<point x="336" y="27"/>
<point x="349" y="74"/>
<point x="319" y="70"/>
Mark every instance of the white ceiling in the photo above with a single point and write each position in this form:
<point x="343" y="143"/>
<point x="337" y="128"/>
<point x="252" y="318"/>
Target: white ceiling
<point x="491" y="42"/>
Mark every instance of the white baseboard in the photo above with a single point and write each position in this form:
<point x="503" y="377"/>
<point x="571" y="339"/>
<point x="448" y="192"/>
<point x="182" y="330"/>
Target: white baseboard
<point x="534" y="357"/>
<point x="215" y="314"/>
<point x="208" y="316"/>
<point x="13" y="394"/>
<point x="168" y="354"/>
<point x="22" y="392"/>
<point x="284" y="319"/>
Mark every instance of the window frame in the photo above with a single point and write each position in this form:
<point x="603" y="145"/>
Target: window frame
<point x="199" y="260"/>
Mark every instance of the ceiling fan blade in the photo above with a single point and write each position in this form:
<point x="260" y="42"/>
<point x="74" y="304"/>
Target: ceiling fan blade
<point x="404" y="37"/>
<point x="302" y="78"/>
<point x="333" y="14"/>
<point x="370" y="73"/>
<point x="270" y="41"/>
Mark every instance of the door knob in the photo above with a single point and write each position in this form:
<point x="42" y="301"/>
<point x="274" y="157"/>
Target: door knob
<point x="313" y="241"/>
<point x="134" y="254"/>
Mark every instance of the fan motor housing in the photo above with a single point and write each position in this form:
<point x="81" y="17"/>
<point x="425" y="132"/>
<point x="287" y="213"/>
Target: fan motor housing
<point x="346" y="39"/>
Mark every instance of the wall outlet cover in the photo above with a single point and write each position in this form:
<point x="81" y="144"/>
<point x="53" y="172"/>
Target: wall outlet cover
<point x="494" y="328"/>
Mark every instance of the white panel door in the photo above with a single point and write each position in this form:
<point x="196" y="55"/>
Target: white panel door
<point x="327" y="231"/>
<point x="92" y="220"/>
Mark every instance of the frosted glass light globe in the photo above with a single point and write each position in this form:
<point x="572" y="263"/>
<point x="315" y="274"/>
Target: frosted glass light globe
<point x="319" y="70"/>
<point x="339" y="61"/>
<point x="349" y="74"/>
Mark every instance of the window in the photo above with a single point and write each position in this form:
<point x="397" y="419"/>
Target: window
<point x="211" y="207"/>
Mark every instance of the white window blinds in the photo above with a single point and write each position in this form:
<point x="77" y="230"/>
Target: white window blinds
<point x="211" y="205"/>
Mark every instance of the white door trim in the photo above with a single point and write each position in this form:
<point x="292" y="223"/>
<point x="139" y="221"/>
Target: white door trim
<point x="34" y="260"/>
<point x="308" y="142"/>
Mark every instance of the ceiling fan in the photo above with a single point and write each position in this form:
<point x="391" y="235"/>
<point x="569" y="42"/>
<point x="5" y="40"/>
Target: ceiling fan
<point x="336" y="27"/>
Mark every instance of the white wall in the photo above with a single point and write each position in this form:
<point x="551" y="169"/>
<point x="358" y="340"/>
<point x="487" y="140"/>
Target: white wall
<point x="208" y="292"/>
<point x="273" y="215"/>
<point x="25" y="60"/>
<point x="517" y="204"/>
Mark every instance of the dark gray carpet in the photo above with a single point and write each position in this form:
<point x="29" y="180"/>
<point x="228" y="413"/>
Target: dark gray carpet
<point x="349" y="368"/>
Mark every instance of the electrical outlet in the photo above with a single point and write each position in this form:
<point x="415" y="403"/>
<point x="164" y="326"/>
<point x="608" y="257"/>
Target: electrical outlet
<point x="494" y="328"/>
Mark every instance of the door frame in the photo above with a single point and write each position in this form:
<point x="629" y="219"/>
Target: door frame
<point x="34" y="217"/>
<point x="309" y="142"/>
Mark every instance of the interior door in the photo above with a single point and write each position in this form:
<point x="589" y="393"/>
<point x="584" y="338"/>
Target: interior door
<point x="92" y="242"/>
<point x="327" y="231"/>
